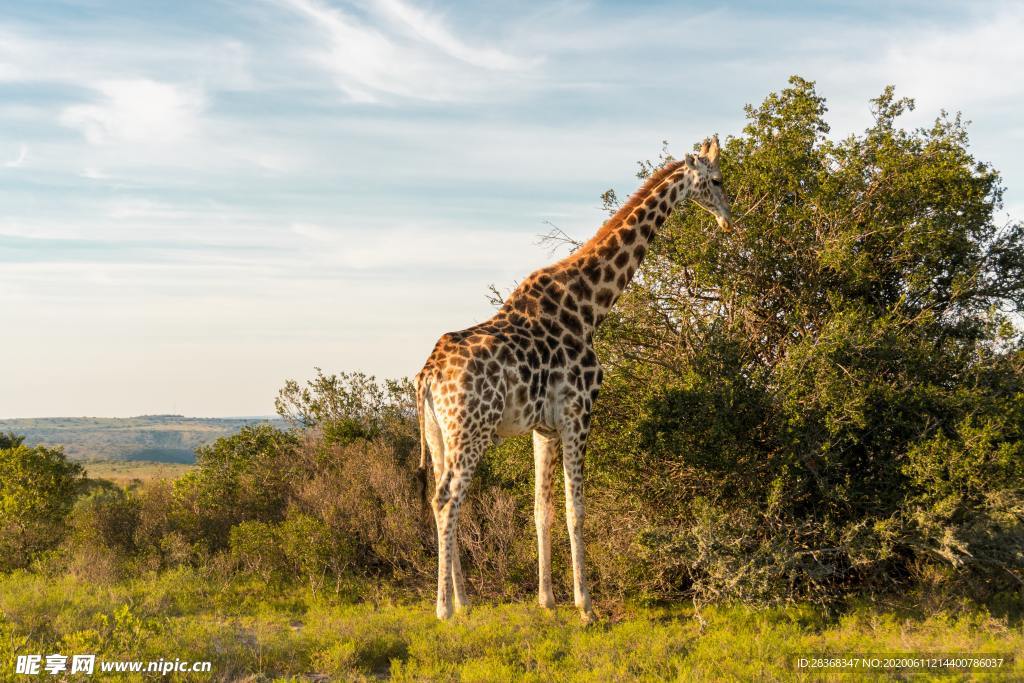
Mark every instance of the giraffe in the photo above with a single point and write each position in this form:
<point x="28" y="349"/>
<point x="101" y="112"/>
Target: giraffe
<point x="532" y="368"/>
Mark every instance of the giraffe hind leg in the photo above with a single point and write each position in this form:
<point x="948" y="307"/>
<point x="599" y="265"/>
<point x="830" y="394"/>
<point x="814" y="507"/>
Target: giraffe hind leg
<point x="468" y="431"/>
<point x="447" y="547"/>
<point x="448" y="490"/>
<point x="445" y="504"/>
<point x="442" y="490"/>
<point x="435" y="443"/>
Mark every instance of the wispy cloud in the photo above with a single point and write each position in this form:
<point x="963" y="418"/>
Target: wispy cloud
<point x="410" y="54"/>
<point x="432" y="31"/>
<point x="18" y="160"/>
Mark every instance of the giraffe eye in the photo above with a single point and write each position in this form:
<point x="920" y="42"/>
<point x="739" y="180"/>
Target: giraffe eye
<point x="716" y="182"/>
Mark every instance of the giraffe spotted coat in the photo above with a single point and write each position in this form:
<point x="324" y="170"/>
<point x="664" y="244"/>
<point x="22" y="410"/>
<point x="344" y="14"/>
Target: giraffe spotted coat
<point x="532" y="367"/>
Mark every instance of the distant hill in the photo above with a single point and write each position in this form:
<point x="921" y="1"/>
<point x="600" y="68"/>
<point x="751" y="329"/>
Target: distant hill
<point x="157" y="438"/>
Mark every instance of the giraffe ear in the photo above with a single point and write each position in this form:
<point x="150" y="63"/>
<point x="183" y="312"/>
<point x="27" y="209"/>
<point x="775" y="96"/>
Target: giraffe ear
<point x="688" y="160"/>
<point x="713" y="149"/>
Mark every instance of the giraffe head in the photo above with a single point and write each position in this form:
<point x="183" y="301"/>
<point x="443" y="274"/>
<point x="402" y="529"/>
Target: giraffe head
<point x="707" y="186"/>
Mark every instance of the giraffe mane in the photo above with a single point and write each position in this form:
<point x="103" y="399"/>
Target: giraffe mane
<point x="635" y="200"/>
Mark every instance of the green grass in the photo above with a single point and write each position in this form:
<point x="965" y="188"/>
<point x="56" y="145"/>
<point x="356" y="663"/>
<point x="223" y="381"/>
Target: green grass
<point x="248" y="629"/>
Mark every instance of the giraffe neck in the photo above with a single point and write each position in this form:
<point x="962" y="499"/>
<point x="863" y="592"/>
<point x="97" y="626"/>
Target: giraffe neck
<point x="608" y="261"/>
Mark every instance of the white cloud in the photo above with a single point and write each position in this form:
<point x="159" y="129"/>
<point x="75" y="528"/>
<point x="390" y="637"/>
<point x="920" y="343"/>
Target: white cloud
<point x="93" y="173"/>
<point x="137" y="111"/>
<point x="969" y="67"/>
<point x="18" y="55"/>
<point x="432" y="31"/>
<point x="978" y="62"/>
<point x="18" y="160"/>
<point x="410" y="55"/>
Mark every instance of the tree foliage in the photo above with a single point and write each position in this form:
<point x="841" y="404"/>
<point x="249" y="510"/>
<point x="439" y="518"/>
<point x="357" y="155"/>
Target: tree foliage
<point x="828" y="397"/>
<point x="37" y="489"/>
<point x="351" y="405"/>
<point x="244" y="477"/>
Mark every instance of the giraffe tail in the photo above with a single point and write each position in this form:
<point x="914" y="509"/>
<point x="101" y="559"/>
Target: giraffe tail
<point x="421" y="472"/>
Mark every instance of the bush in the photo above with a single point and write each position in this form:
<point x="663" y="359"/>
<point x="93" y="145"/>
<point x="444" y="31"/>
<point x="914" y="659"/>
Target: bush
<point x="301" y="548"/>
<point x="160" y="536"/>
<point x="366" y="496"/>
<point x="966" y="521"/>
<point x="37" y="489"/>
<point x="352" y="406"/>
<point x="313" y="550"/>
<point x="102" y="539"/>
<point x="256" y="549"/>
<point x="244" y="477"/>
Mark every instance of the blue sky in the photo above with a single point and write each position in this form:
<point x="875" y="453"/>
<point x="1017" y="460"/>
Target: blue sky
<point x="202" y="199"/>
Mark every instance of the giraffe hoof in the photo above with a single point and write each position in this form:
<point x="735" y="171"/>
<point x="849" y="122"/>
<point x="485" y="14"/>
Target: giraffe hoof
<point x="547" y="601"/>
<point x="588" y="617"/>
<point x="444" y="612"/>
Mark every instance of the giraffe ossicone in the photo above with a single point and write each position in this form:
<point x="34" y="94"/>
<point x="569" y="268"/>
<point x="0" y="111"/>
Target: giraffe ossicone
<point x="532" y="368"/>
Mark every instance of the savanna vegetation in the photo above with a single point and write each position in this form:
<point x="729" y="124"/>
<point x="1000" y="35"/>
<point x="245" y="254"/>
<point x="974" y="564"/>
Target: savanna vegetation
<point x="810" y="439"/>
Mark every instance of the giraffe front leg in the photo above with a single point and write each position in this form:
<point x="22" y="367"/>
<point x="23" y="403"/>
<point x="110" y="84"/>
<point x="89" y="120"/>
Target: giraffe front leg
<point x="461" y="601"/>
<point x="572" y="467"/>
<point x="545" y="449"/>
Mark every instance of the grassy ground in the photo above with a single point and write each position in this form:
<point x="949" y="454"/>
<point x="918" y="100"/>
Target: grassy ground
<point x="124" y="472"/>
<point x="252" y="632"/>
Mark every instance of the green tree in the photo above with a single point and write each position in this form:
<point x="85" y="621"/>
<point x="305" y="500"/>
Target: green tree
<point x="827" y="397"/>
<point x="38" y="486"/>
<point x="244" y="477"/>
